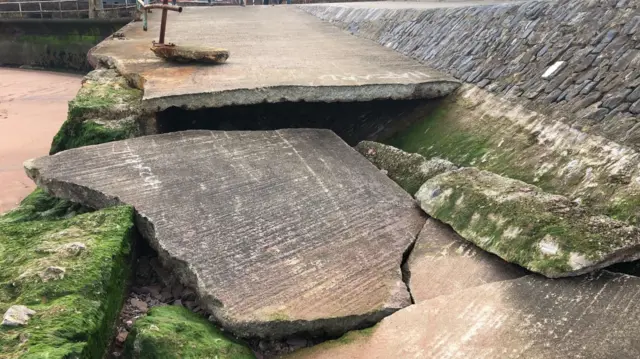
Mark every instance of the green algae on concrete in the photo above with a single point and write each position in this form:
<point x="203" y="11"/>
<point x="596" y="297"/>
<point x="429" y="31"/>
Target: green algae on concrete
<point x="41" y="206"/>
<point x="409" y="170"/>
<point x="105" y="109"/>
<point x="174" y="332"/>
<point x="71" y="271"/>
<point x="545" y="233"/>
<point x="473" y="127"/>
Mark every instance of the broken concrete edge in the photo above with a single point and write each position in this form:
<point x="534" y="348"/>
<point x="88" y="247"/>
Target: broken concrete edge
<point x="277" y="94"/>
<point x="277" y="328"/>
<point x="472" y="127"/>
<point x="545" y="233"/>
<point x="75" y="313"/>
<point x="300" y="94"/>
<point x="442" y="263"/>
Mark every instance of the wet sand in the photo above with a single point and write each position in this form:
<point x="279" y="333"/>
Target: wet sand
<point x="33" y="106"/>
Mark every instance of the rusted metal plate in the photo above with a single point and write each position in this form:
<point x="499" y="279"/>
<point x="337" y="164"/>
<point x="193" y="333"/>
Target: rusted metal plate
<point x="193" y="53"/>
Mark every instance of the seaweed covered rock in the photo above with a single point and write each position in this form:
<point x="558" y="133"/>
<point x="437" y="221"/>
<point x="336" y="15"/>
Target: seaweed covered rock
<point x="105" y="109"/>
<point x="542" y="232"/>
<point x="170" y="332"/>
<point x="409" y="170"/>
<point x="41" y="206"/>
<point x="70" y="273"/>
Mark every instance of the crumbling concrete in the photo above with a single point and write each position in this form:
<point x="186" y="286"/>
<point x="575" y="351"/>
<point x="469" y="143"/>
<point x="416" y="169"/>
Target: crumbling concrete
<point x="281" y="232"/>
<point x="287" y="56"/>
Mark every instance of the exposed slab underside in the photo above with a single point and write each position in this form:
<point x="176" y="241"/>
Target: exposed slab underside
<point x="280" y="231"/>
<point x="277" y="54"/>
<point x="531" y="317"/>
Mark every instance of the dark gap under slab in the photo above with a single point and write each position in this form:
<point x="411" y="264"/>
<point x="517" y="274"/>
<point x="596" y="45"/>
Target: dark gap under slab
<point x="352" y="121"/>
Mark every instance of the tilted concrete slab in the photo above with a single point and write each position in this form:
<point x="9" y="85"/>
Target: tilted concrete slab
<point x="527" y="318"/>
<point x="442" y="263"/>
<point x="280" y="232"/>
<point x="277" y="53"/>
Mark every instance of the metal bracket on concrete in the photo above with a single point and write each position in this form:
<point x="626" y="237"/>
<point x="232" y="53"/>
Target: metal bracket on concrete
<point x="144" y="5"/>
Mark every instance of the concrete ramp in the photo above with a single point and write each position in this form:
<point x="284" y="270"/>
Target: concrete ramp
<point x="280" y="232"/>
<point x="277" y="54"/>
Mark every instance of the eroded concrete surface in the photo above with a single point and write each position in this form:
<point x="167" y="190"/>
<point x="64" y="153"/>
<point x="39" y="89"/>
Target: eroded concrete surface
<point x="531" y="317"/>
<point x="276" y="54"/>
<point x="280" y="231"/>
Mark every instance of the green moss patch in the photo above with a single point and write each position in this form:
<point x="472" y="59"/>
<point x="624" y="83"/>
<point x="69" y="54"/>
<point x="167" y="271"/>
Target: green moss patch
<point x="467" y="130"/>
<point x="75" y="134"/>
<point x="175" y="332"/>
<point x="545" y="233"/>
<point x="104" y="110"/>
<point x="41" y="206"/>
<point x="72" y="272"/>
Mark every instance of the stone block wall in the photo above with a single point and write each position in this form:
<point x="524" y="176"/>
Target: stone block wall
<point x="578" y="61"/>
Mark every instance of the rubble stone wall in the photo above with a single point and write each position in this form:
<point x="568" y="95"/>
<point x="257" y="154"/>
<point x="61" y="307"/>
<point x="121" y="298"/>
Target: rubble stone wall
<point x="578" y="61"/>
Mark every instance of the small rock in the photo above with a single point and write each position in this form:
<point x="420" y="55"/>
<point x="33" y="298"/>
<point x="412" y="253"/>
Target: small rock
<point x="74" y="248"/>
<point x="122" y="337"/>
<point x="296" y="343"/>
<point x="129" y="324"/>
<point x="17" y="315"/>
<point x="178" y="302"/>
<point x="190" y="304"/>
<point x="188" y="294"/>
<point x="166" y="296"/>
<point x="177" y="290"/>
<point x="52" y="273"/>
<point x="140" y="305"/>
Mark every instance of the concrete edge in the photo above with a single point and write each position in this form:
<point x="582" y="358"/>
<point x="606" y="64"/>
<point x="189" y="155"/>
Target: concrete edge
<point x="278" y="94"/>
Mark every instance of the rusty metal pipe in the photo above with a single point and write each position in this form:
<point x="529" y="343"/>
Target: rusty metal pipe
<point x="162" y="6"/>
<point x="163" y="23"/>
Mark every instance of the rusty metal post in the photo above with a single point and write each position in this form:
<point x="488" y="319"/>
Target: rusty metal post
<point x="163" y="23"/>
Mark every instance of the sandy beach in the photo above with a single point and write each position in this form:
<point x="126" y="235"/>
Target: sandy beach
<point x="33" y="106"/>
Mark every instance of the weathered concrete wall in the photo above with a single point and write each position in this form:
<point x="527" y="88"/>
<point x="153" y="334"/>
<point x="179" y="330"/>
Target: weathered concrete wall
<point x="52" y="43"/>
<point x="511" y="49"/>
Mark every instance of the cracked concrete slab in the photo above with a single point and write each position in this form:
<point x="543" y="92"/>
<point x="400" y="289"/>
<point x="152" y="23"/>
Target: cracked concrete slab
<point x="443" y="263"/>
<point x="531" y="317"/>
<point x="276" y="54"/>
<point x="280" y="232"/>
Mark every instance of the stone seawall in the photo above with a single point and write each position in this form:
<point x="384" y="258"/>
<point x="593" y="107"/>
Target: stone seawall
<point x="578" y="61"/>
<point x="60" y="44"/>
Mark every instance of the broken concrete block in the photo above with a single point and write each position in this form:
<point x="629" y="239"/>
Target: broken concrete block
<point x="443" y="263"/>
<point x="192" y="53"/>
<point x="409" y="170"/>
<point x="280" y="232"/>
<point x="533" y="317"/>
<point x="17" y="315"/>
<point x="542" y="232"/>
